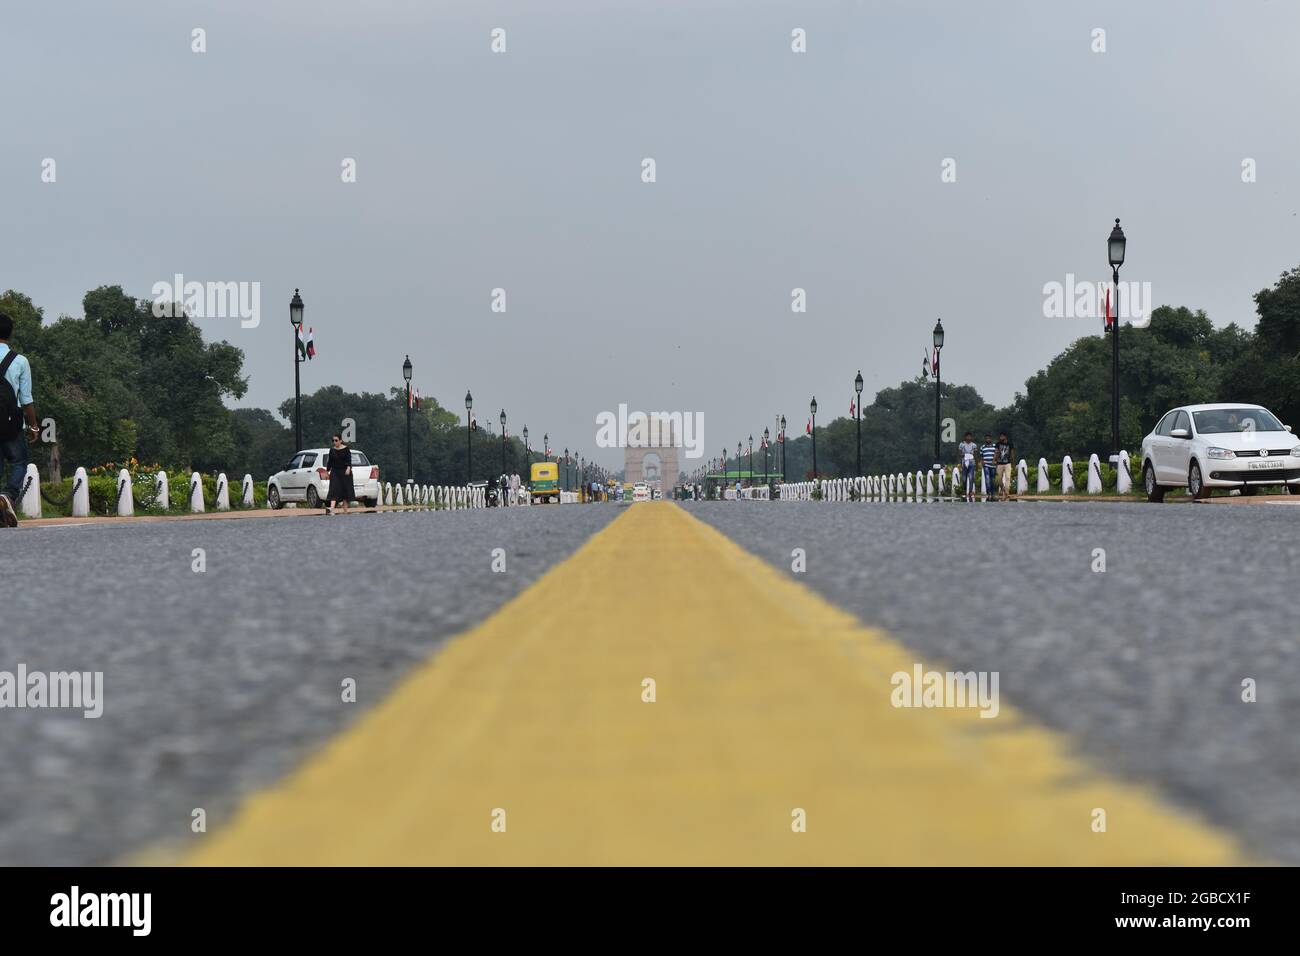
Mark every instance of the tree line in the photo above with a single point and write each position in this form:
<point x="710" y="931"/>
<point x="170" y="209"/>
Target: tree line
<point x="123" y="385"/>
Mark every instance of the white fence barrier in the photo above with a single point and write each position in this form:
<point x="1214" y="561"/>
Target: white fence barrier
<point x="223" y="492"/>
<point x="125" y="496"/>
<point x="31" y="493"/>
<point x="81" y="494"/>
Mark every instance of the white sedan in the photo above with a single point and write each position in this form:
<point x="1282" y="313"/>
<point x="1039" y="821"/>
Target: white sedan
<point x="1200" y="447"/>
<point x="306" y="479"/>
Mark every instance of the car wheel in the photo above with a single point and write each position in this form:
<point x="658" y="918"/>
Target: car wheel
<point x="1153" y="489"/>
<point x="372" y="503"/>
<point x="1249" y="490"/>
<point x="273" y="498"/>
<point x="1195" y="485"/>
<point x="313" y="498"/>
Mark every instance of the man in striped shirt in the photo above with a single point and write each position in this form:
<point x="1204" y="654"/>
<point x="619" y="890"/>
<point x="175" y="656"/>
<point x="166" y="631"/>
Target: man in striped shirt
<point x="989" y="456"/>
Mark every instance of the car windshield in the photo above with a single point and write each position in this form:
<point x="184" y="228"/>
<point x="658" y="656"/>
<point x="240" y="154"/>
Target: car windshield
<point x="1220" y="421"/>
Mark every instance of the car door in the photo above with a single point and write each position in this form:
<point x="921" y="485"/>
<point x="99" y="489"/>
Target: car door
<point x="289" y="477"/>
<point x="306" y="472"/>
<point x="1180" y="449"/>
<point x="1158" y="446"/>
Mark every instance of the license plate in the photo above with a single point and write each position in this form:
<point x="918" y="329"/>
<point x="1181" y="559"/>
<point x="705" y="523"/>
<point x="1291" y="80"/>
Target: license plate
<point x="1264" y="466"/>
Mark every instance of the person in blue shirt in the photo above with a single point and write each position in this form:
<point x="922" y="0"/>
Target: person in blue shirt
<point x="17" y="376"/>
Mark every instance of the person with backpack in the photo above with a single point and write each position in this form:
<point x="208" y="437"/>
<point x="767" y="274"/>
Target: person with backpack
<point x="15" y="406"/>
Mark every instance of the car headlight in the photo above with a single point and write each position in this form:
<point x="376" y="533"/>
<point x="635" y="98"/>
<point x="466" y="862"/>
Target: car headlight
<point x="1213" y="452"/>
<point x="1295" y="452"/>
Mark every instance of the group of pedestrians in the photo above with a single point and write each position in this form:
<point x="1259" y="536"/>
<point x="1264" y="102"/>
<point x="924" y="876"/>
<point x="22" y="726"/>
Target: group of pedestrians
<point x="994" y="458"/>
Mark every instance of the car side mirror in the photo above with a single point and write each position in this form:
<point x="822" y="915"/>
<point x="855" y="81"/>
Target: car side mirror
<point x="1179" y="433"/>
<point x="1287" y="427"/>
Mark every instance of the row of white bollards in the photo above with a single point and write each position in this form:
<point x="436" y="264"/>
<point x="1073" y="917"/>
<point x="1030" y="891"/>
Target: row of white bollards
<point x="930" y="486"/>
<point x="444" y="497"/>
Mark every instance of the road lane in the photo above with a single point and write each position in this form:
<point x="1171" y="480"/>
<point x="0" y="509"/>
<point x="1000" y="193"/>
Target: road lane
<point x="217" y="683"/>
<point x="1140" y="665"/>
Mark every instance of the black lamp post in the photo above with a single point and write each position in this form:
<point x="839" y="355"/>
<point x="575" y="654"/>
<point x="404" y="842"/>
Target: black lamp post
<point x="546" y="447"/>
<point x="751" y="459"/>
<point x="766" y="438"/>
<point x="783" y="475"/>
<point x="812" y="408"/>
<point x="740" y="448"/>
<point x="503" y="441"/>
<point x="857" y="387"/>
<point x="528" y="453"/>
<point x="938" y="389"/>
<point x="295" y="320"/>
<point x="565" y="482"/>
<point x="406" y="374"/>
<point x="1115" y="252"/>
<point x="469" y="438"/>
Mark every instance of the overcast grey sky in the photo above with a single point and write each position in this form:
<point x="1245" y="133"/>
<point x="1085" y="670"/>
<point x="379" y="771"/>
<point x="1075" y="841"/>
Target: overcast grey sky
<point x="775" y="170"/>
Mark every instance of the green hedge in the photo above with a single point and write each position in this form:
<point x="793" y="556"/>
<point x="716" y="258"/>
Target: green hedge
<point x="103" y="495"/>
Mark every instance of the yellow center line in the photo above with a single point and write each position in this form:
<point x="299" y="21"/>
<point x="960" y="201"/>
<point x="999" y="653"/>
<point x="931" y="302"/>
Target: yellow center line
<point x="768" y="701"/>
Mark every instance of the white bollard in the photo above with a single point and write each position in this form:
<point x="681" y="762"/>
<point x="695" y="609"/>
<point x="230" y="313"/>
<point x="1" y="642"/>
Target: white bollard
<point x="223" y="492"/>
<point x="920" y="482"/>
<point x="246" y="496"/>
<point x="30" y="499"/>
<point x="388" y="493"/>
<point x="957" y="487"/>
<point x="80" y="495"/>
<point x="1094" y="474"/>
<point x="1044" y="484"/>
<point x="929" y="483"/>
<point x="1022" y="477"/>
<point x="1067" y="475"/>
<point x="1123" y="480"/>
<point x="889" y="488"/>
<point x="125" y="496"/>
<point x="162" y="491"/>
<point x="908" y="490"/>
<point x="941" y="473"/>
<point x="397" y="496"/>
<point x="984" y="478"/>
<point x="196" y="493"/>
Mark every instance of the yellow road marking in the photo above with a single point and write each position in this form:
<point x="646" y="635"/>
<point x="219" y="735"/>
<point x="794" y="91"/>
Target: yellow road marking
<point x="768" y="700"/>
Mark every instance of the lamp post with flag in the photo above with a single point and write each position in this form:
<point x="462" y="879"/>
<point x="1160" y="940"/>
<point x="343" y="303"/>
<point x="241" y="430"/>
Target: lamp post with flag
<point x="1115" y="253"/>
<point x="938" y="389"/>
<point x="855" y="409"/>
<point x="812" y="430"/>
<point x="406" y="374"/>
<point x="740" y="450"/>
<point x="299" y="353"/>
<point x="751" y="459"/>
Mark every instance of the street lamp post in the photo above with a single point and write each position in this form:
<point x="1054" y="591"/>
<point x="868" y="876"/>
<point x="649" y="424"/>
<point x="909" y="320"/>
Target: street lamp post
<point x="546" y="447"/>
<point x="938" y="389"/>
<point x="503" y="442"/>
<point x="469" y="438"/>
<point x="782" y="434"/>
<point x="295" y="320"/>
<point x="406" y="374"/>
<point x="857" y="387"/>
<point x="740" y="448"/>
<point x="528" y="453"/>
<point x="565" y="481"/>
<point x="751" y="459"/>
<point x="812" y="408"/>
<point x="1115" y="252"/>
<point x="766" y="438"/>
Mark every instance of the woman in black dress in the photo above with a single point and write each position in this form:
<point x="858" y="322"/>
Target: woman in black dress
<point x="340" y="469"/>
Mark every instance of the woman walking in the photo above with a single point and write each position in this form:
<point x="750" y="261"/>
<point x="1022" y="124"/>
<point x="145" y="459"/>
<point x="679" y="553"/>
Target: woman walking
<point x="340" y="469"/>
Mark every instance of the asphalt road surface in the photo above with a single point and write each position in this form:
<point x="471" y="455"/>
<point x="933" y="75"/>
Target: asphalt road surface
<point x="217" y="683"/>
<point x="1141" y="665"/>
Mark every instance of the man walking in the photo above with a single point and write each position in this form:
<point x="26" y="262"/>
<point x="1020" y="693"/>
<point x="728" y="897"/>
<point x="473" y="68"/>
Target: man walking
<point x="1006" y="454"/>
<point x="966" y="451"/>
<point x="15" y="408"/>
<point x="989" y="458"/>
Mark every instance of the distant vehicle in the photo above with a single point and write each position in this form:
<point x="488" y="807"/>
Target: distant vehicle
<point x="656" y="494"/>
<point x="544" y="477"/>
<point x="641" y="491"/>
<point x="306" y="479"/>
<point x="1201" y="447"/>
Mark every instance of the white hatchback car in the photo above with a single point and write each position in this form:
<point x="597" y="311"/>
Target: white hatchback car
<point x="1200" y="447"/>
<point x="305" y="478"/>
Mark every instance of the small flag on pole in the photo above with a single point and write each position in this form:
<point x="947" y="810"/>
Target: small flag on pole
<point x="302" y="346"/>
<point x="934" y="366"/>
<point x="311" y="343"/>
<point x="1109" y="320"/>
<point x="852" y="408"/>
<point x="925" y="365"/>
<point x="808" y="428"/>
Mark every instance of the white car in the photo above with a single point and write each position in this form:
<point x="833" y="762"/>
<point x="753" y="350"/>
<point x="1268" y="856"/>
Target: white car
<point x="305" y="478"/>
<point x="1200" y="447"/>
<point x="640" y="492"/>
